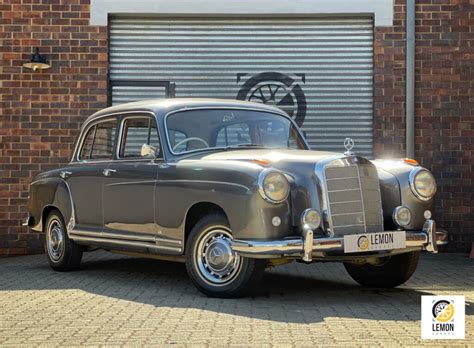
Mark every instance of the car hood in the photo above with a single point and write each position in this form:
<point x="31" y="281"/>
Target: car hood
<point x="273" y="156"/>
<point x="294" y="162"/>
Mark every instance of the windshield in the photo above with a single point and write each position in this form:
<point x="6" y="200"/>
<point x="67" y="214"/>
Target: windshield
<point x="223" y="128"/>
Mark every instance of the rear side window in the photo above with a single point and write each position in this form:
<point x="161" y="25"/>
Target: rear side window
<point x="137" y="132"/>
<point x="99" y="141"/>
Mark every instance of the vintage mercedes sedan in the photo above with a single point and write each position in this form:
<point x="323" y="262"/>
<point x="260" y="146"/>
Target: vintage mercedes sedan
<point x="230" y="188"/>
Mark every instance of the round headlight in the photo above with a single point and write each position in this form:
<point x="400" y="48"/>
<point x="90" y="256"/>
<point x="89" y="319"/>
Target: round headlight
<point x="311" y="218"/>
<point x="402" y="216"/>
<point x="273" y="186"/>
<point x="422" y="183"/>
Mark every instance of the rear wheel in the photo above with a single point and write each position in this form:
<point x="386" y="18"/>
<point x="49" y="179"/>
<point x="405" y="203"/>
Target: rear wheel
<point x="213" y="267"/>
<point x="63" y="254"/>
<point x="395" y="271"/>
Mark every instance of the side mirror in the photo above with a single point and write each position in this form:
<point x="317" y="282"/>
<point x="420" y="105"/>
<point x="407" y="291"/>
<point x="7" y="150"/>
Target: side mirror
<point x="148" y="151"/>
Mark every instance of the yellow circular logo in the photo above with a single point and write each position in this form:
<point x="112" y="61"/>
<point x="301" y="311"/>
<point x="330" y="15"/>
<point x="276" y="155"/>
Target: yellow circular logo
<point x="363" y="243"/>
<point x="443" y="311"/>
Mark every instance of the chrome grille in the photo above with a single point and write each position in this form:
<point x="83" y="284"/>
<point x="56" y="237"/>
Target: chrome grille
<point x="353" y="197"/>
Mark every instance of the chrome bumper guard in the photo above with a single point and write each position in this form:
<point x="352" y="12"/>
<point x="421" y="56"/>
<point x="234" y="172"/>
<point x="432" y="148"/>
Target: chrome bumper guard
<point x="428" y="239"/>
<point x="28" y="221"/>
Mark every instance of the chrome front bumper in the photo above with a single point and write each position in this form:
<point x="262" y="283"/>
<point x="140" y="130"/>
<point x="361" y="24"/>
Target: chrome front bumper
<point x="428" y="239"/>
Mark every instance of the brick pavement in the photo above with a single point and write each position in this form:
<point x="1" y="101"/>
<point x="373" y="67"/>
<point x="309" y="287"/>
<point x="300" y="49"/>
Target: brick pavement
<point x="119" y="300"/>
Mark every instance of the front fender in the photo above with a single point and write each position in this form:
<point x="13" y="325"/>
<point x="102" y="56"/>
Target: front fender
<point x="49" y="193"/>
<point x="400" y="186"/>
<point x="249" y="215"/>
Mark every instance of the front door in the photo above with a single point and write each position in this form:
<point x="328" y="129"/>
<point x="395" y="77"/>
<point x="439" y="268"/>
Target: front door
<point x="85" y="177"/>
<point x="129" y="183"/>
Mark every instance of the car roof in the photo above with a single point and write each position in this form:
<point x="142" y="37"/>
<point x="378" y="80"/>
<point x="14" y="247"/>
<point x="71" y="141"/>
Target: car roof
<point x="164" y="106"/>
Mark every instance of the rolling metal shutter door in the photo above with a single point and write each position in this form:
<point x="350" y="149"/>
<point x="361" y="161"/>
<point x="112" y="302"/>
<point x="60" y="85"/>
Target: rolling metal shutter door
<point x="320" y="70"/>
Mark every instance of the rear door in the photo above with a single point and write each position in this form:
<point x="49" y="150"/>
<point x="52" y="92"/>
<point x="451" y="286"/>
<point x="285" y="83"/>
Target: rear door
<point x="129" y="186"/>
<point x="86" y="177"/>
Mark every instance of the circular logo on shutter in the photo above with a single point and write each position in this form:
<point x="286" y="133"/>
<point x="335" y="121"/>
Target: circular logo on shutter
<point x="280" y="90"/>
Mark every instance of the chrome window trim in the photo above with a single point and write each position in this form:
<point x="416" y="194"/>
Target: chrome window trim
<point x="120" y="133"/>
<point x="411" y="181"/>
<point x="224" y="108"/>
<point x="88" y="123"/>
<point x="82" y="138"/>
<point x="261" y="178"/>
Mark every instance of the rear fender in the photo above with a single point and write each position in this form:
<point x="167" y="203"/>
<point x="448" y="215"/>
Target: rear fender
<point x="47" y="194"/>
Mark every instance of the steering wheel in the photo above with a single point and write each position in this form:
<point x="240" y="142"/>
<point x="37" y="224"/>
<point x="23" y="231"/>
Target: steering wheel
<point x="190" y="139"/>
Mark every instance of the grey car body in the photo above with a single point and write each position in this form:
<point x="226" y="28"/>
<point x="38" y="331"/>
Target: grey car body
<point x="149" y="205"/>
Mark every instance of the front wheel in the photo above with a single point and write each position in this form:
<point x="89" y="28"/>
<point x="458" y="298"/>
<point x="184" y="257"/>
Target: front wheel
<point x="63" y="254"/>
<point x="395" y="271"/>
<point x="213" y="267"/>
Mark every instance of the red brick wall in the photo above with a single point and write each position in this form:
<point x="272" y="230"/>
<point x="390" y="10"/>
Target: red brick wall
<point x="444" y="97"/>
<point x="40" y="112"/>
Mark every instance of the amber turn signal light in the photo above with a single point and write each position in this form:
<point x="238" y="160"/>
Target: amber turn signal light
<point x="410" y="161"/>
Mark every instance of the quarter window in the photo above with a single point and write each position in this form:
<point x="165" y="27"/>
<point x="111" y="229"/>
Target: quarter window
<point x="99" y="141"/>
<point x="136" y="133"/>
<point x="87" y="144"/>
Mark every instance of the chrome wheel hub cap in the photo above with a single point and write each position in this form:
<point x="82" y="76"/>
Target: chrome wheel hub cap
<point x="55" y="240"/>
<point x="217" y="263"/>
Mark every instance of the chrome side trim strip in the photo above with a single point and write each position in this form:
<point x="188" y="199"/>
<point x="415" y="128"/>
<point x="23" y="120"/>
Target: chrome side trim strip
<point x="170" y="241"/>
<point x="125" y="243"/>
<point x="108" y="235"/>
<point x="131" y="183"/>
<point x="204" y="182"/>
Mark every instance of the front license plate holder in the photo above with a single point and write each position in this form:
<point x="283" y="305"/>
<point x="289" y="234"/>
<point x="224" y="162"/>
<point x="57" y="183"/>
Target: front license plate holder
<point x="366" y="242"/>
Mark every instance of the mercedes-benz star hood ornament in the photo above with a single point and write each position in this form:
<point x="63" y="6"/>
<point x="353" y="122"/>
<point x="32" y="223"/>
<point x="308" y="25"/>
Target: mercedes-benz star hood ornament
<point x="349" y="145"/>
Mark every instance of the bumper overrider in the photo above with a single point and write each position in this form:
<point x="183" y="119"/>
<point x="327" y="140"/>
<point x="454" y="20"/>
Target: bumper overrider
<point x="305" y="246"/>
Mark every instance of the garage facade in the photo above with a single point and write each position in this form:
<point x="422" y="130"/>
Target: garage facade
<point x="319" y="70"/>
<point x="338" y="67"/>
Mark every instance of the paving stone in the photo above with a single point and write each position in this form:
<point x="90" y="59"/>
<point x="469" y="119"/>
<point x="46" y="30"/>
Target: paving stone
<point x="116" y="300"/>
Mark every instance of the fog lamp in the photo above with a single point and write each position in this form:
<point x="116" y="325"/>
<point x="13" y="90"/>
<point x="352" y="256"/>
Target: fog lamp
<point x="311" y="218"/>
<point x="402" y="216"/>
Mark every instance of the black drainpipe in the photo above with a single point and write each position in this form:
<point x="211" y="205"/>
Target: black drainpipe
<point x="410" y="79"/>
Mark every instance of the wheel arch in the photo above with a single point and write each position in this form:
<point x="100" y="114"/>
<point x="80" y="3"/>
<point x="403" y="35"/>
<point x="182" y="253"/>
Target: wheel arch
<point x="47" y="195"/>
<point x="197" y="211"/>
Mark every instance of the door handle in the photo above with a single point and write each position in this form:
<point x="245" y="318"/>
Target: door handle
<point x="64" y="174"/>
<point x="108" y="172"/>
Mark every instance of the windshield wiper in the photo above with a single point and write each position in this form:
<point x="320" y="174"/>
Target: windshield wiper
<point x="236" y="146"/>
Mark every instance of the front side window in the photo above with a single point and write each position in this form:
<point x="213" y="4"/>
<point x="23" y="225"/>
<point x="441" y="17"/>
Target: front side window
<point x="207" y="129"/>
<point x="138" y="131"/>
<point x="99" y="141"/>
